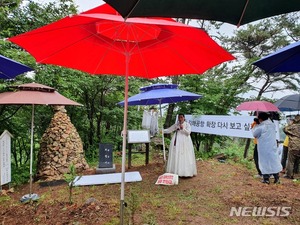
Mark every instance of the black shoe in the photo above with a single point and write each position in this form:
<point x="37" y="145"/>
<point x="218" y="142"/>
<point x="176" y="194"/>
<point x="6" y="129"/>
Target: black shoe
<point x="288" y="177"/>
<point x="276" y="181"/>
<point x="265" y="181"/>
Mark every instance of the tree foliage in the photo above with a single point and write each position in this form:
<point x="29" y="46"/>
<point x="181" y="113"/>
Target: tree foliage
<point x="100" y="119"/>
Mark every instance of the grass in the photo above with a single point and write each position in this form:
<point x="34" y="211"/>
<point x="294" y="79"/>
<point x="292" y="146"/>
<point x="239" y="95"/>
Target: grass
<point x="208" y="199"/>
<point x="4" y="198"/>
<point x="149" y="218"/>
<point x="172" y="210"/>
<point x="187" y="199"/>
<point x="188" y="196"/>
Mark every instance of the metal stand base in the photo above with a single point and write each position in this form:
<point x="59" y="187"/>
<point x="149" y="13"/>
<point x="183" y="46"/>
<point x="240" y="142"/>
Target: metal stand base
<point x="29" y="197"/>
<point x="106" y="170"/>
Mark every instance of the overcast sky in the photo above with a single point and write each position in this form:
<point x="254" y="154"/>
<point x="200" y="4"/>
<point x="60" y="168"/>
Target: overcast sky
<point x="88" y="4"/>
<point x="83" y="4"/>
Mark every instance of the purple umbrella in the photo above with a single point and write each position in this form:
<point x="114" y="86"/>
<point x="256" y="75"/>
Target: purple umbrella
<point x="9" y="68"/>
<point x="158" y="94"/>
<point x="283" y="60"/>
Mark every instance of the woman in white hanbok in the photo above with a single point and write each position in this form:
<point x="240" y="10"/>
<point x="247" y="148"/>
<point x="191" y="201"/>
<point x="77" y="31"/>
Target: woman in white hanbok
<point x="181" y="158"/>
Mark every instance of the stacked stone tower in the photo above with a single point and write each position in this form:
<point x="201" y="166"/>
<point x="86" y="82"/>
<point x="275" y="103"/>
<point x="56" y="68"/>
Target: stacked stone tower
<point x="61" y="146"/>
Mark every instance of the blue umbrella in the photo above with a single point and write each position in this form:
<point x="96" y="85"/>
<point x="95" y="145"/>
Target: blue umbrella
<point x="286" y="59"/>
<point x="158" y="94"/>
<point x="289" y="103"/>
<point x="9" y="68"/>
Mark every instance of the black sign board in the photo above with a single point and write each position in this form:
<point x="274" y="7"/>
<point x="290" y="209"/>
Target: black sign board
<point x="105" y="155"/>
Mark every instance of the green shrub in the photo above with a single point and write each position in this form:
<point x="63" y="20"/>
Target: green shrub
<point x="20" y="175"/>
<point x="233" y="150"/>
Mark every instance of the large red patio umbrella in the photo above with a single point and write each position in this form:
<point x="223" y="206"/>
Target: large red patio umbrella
<point x="99" y="41"/>
<point x="33" y="94"/>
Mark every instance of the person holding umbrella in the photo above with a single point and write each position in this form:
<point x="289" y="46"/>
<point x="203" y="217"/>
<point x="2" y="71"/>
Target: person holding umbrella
<point x="268" y="160"/>
<point x="181" y="160"/>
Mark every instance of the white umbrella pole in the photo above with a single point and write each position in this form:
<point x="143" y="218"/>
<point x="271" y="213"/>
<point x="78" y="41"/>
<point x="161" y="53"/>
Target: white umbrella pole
<point x="124" y="133"/>
<point x="31" y="148"/>
<point x="31" y="196"/>
<point x="162" y="132"/>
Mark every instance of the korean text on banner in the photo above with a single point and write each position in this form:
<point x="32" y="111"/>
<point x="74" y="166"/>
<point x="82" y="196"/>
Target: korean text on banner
<point x="235" y="126"/>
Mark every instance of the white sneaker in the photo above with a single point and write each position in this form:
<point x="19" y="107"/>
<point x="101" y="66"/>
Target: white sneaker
<point x="257" y="176"/>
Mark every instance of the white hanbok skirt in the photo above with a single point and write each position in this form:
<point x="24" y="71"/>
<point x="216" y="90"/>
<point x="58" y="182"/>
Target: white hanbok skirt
<point x="181" y="158"/>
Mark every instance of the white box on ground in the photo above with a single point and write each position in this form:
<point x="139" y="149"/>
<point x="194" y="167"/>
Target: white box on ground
<point x="111" y="178"/>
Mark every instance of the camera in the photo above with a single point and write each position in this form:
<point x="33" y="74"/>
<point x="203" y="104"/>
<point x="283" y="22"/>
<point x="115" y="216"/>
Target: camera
<point x="256" y="120"/>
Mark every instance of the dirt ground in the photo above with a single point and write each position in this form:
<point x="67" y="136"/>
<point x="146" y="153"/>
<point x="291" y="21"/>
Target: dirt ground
<point x="205" y="199"/>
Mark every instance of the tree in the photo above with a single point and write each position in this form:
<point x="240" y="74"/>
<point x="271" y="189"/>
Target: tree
<point x="258" y="40"/>
<point x="261" y="39"/>
<point x="100" y="119"/>
<point x="14" y="19"/>
<point x="225" y="86"/>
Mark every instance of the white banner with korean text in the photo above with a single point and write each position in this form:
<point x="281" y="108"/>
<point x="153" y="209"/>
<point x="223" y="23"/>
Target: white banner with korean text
<point x="235" y="126"/>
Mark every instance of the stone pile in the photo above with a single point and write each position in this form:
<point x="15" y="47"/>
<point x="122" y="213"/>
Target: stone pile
<point x="61" y="146"/>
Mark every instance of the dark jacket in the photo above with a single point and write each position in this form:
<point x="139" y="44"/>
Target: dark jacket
<point x="293" y="132"/>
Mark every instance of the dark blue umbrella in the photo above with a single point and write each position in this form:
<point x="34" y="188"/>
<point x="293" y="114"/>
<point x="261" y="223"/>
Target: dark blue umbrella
<point x="289" y="103"/>
<point x="286" y="59"/>
<point x="9" y="68"/>
<point x="158" y="94"/>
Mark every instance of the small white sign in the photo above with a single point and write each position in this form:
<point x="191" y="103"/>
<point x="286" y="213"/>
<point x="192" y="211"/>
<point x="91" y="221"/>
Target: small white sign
<point x="138" y="136"/>
<point x="5" y="158"/>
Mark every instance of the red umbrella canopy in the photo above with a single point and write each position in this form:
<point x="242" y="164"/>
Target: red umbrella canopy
<point x="34" y="94"/>
<point x="100" y="42"/>
<point x="262" y="106"/>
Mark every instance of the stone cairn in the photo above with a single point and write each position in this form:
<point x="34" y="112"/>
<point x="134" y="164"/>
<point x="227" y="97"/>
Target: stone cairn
<point x="60" y="147"/>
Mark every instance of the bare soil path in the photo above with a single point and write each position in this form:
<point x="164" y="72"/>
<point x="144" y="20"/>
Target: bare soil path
<point x="205" y="199"/>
